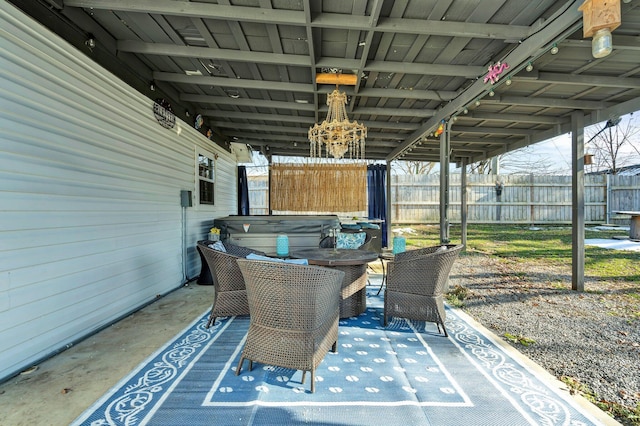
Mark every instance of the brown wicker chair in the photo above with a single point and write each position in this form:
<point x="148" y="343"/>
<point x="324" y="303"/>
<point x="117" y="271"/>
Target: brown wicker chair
<point x="416" y="280"/>
<point x="294" y="314"/>
<point x="230" y="295"/>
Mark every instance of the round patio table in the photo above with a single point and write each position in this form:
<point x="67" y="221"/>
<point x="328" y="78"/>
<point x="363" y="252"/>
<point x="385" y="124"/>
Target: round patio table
<point x="353" y="263"/>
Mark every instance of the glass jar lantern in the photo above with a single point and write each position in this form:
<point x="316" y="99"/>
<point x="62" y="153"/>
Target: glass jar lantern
<point x="399" y="244"/>
<point x="282" y="245"/>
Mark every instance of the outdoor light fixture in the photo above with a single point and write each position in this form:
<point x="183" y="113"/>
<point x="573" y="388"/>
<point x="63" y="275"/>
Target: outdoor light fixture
<point x="554" y="49"/>
<point x="336" y="132"/>
<point x="492" y="93"/>
<point x="600" y="17"/>
<point x="152" y="86"/>
<point x="90" y="42"/>
<point x="612" y="122"/>
<point x="508" y="82"/>
<point x="529" y="67"/>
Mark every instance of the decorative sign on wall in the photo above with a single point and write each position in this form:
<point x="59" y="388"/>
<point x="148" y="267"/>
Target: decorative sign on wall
<point x="164" y="114"/>
<point x="495" y="71"/>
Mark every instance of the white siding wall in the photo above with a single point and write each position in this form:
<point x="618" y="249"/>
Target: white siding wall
<point x="90" y="220"/>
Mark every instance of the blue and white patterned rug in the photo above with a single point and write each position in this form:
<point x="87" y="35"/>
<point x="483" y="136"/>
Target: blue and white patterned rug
<point x="406" y="374"/>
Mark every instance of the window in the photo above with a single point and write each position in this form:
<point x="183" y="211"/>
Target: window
<point x="206" y="178"/>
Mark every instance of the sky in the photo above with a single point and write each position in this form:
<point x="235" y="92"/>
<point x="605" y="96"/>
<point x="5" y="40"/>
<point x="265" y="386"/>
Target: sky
<point x="554" y="155"/>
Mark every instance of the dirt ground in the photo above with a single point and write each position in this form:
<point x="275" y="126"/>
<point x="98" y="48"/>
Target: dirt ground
<point x="589" y="338"/>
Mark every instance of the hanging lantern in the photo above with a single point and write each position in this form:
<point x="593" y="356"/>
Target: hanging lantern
<point x="600" y="17"/>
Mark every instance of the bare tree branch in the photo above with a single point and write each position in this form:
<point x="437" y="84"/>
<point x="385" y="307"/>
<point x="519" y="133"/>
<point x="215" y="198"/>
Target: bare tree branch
<point x="613" y="144"/>
<point x="413" y="167"/>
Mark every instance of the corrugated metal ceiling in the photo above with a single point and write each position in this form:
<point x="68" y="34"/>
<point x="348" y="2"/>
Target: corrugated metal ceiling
<point x="249" y="67"/>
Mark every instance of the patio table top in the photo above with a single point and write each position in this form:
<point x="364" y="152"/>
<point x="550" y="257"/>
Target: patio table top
<point x="335" y="257"/>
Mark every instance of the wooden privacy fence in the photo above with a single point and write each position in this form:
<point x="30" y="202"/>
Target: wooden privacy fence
<point x="527" y="199"/>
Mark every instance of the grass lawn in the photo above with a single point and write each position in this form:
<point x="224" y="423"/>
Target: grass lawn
<point x="548" y="245"/>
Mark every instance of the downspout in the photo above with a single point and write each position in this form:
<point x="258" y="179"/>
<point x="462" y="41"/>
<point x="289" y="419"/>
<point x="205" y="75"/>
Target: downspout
<point x="184" y="244"/>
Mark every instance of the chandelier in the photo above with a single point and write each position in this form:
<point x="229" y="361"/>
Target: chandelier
<point x="337" y="133"/>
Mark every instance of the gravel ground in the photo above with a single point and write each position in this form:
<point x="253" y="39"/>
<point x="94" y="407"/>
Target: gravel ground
<point x="592" y="337"/>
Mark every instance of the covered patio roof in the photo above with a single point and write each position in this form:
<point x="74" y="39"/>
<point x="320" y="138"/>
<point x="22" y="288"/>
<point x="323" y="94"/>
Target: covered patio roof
<point x="249" y="67"/>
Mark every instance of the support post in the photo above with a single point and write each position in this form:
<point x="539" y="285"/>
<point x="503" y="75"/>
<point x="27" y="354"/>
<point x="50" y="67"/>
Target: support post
<point x="270" y="211"/>
<point x="444" y="184"/>
<point x="388" y="200"/>
<point x="463" y="203"/>
<point x="577" y="200"/>
<point x="608" y="195"/>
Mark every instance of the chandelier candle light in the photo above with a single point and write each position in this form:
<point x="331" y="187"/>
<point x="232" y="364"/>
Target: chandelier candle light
<point x="337" y="133"/>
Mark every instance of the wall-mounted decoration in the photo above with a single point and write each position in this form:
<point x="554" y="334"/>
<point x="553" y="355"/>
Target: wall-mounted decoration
<point x="198" y="122"/>
<point x="164" y="114"/>
<point x="495" y="71"/>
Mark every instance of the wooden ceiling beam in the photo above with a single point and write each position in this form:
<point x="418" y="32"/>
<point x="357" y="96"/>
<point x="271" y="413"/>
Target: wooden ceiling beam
<point x="336" y="78"/>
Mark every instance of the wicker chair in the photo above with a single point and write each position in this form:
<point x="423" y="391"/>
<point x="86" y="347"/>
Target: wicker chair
<point x="230" y="295"/>
<point x="294" y="313"/>
<point x="416" y="280"/>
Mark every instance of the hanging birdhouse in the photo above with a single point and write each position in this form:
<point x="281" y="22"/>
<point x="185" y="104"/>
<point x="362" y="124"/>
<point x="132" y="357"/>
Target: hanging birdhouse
<point x="588" y="159"/>
<point x="599" y="14"/>
<point x="600" y="17"/>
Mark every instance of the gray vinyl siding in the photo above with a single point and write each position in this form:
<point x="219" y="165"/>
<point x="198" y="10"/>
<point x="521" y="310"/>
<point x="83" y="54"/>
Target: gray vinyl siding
<point x="91" y="226"/>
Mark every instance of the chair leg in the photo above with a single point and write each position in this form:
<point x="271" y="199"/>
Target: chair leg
<point x="444" y="330"/>
<point x="212" y="319"/>
<point x="384" y="313"/>
<point x="304" y="373"/>
<point x="334" y="347"/>
<point x="313" y="381"/>
<point x="240" y="365"/>
<point x="384" y="275"/>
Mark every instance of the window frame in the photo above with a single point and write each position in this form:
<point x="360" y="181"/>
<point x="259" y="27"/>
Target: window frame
<point x="199" y="155"/>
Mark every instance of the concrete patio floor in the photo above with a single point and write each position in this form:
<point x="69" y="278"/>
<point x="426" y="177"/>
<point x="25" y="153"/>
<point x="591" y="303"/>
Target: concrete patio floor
<point x="62" y="387"/>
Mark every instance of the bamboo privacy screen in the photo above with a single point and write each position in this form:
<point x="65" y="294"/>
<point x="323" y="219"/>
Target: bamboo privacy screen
<point x="319" y="187"/>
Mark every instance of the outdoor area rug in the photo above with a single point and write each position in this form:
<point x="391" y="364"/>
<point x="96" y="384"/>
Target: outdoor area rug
<point x="405" y="374"/>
